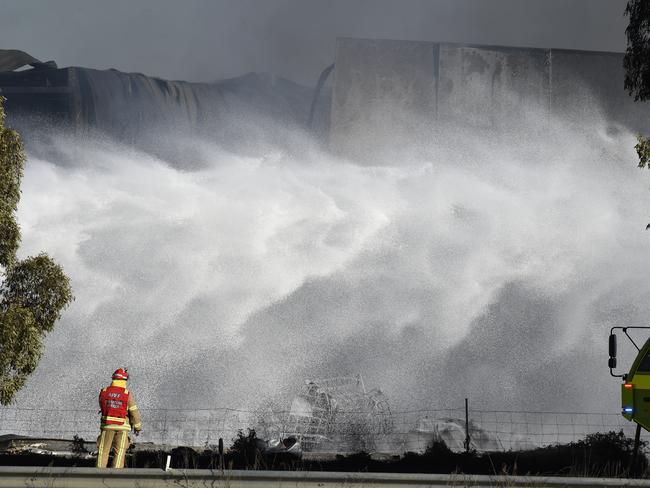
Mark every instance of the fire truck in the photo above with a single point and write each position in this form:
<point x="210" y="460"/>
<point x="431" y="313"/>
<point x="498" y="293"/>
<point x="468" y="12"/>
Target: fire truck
<point x="635" y="390"/>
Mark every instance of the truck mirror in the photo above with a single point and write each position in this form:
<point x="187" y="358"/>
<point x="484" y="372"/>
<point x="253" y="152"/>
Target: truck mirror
<point x="612" y="363"/>
<point x="612" y="346"/>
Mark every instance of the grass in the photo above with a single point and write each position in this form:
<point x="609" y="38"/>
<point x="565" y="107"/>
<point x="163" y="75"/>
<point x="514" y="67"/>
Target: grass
<point x="597" y="455"/>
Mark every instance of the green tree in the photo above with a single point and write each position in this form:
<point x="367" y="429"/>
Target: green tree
<point x="34" y="291"/>
<point x="637" y="64"/>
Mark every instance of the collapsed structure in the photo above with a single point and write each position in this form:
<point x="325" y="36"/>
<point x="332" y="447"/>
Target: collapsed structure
<point x="340" y="415"/>
<point x="130" y="106"/>
<point x="372" y="87"/>
<point x="337" y="413"/>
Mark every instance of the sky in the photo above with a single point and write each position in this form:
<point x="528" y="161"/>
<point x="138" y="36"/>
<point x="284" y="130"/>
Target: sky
<point x="206" y="40"/>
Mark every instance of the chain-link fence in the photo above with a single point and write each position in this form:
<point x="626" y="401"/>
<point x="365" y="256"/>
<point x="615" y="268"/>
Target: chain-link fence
<point x="400" y="431"/>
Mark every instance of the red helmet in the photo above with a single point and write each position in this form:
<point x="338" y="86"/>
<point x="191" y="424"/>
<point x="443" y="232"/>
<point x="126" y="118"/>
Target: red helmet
<point x="121" y="374"/>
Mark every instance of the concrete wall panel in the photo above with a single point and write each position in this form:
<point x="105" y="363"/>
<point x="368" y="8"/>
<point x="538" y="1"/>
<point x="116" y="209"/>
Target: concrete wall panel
<point x="384" y="88"/>
<point x="489" y="87"/>
<point x="375" y="83"/>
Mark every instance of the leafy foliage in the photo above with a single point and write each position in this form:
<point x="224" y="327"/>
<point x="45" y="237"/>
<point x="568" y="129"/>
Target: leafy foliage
<point x="637" y="54"/>
<point x="12" y="159"/>
<point x="245" y="450"/>
<point x="20" y="351"/>
<point x="78" y="445"/>
<point x="39" y="285"/>
<point x="34" y="292"/>
<point x="643" y="150"/>
<point x="637" y="65"/>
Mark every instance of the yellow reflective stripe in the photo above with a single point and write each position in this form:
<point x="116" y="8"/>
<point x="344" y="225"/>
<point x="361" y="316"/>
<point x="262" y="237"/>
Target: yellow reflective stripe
<point x="114" y="419"/>
<point x="121" y="450"/>
<point x="134" y="407"/>
<point x="125" y="427"/>
<point x="100" y="450"/>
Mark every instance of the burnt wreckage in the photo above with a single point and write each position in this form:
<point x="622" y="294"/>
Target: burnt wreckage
<point x="334" y="413"/>
<point x="131" y="106"/>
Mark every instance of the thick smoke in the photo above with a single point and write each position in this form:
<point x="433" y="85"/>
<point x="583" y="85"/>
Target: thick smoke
<point x="473" y="265"/>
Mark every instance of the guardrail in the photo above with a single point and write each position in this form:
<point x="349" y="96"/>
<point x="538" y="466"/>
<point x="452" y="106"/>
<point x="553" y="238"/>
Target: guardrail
<point x="154" y="478"/>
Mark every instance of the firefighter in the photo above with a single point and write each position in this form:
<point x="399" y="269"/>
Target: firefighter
<point x="119" y="413"/>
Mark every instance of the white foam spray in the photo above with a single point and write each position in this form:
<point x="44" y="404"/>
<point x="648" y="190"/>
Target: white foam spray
<point x="471" y="266"/>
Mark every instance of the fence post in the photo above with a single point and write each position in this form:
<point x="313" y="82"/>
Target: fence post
<point x="467" y="439"/>
<point x="221" y="463"/>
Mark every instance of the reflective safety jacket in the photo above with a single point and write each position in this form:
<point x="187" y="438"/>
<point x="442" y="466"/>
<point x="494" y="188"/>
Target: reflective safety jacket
<point x="118" y="408"/>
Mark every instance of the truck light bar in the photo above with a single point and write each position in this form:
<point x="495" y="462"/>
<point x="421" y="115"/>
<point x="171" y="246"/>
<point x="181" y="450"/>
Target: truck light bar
<point x="628" y="385"/>
<point x="628" y="409"/>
